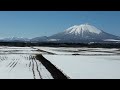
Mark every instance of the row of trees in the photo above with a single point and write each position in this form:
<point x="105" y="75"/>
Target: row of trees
<point x="93" y="45"/>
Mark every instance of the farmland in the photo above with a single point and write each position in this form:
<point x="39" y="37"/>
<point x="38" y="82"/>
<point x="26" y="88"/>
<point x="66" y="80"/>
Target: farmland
<point x="68" y="62"/>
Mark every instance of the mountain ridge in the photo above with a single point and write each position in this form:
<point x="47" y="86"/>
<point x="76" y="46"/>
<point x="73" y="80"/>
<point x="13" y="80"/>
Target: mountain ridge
<point x="83" y="33"/>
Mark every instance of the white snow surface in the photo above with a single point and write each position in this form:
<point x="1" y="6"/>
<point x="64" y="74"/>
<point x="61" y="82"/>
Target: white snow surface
<point x="23" y="65"/>
<point x="19" y="50"/>
<point x="78" y="29"/>
<point x="83" y="51"/>
<point x="114" y="40"/>
<point x="53" y="39"/>
<point x="87" y="67"/>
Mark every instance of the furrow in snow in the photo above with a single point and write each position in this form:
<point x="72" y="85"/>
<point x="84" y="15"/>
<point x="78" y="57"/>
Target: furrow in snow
<point x="38" y="70"/>
<point x="33" y="70"/>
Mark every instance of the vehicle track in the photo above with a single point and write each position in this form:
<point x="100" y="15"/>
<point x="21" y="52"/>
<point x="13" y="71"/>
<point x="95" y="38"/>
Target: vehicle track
<point x="38" y="69"/>
<point x="33" y="69"/>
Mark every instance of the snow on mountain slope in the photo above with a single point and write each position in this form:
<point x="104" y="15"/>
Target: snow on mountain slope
<point x="39" y="39"/>
<point x="15" y="39"/>
<point x="83" y="33"/>
<point x="75" y="34"/>
<point x="77" y="29"/>
<point x="112" y="40"/>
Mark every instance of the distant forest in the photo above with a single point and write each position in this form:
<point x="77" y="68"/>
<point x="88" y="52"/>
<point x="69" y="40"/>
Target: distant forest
<point x="89" y="45"/>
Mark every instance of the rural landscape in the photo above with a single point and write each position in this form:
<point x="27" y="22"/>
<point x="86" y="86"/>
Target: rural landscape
<point x="82" y="51"/>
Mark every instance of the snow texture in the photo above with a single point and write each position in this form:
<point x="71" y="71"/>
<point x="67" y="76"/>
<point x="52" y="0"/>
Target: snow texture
<point x="87" y="67"/>
<point x="112" y="40"/>
<point x="92" y="63"/>
<point x="77" y="29"/>
<point x="82" y="51"/>
<point x="21" y="66"/>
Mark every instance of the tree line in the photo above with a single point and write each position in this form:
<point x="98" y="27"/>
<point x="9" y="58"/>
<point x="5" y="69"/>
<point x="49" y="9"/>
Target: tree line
<point x="92" y="45"/>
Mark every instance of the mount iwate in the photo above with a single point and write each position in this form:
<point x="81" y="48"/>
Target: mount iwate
<point x="83" y="33"/>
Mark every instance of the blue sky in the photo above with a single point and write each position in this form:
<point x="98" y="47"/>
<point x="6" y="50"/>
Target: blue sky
<point x="31" y="24"/>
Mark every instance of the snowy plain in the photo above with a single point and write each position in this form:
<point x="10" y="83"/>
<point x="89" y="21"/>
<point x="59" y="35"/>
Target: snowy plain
<point x="21" y="64"/>
<point x="83" y="51"/>
<point x="90" y="63"/>
<point x="87" y="67"/>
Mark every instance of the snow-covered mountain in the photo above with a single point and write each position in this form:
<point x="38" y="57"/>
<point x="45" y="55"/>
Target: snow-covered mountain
<point x="39" y="39"/>
<point x="13" y="39"/>
<point x="75" y="34"/>
<point x="83" y="33"/>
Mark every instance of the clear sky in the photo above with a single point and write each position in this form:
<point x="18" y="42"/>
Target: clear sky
<point x="31" y="24"/>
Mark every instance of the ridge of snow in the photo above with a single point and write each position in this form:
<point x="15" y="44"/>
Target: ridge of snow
<point x="111" y="40"/>
<point x="53" y="39"/>
<point x="80" y="29"/>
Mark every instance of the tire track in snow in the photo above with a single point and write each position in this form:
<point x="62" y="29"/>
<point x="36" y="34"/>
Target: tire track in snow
<point x="43" y="71"/>
<point x="33" y="69"/>
<point x="30" y="64"/>
<point x="38" y="70"/>
<point x="14" y="64"/>
<point x="2" y="58"/>
<point x="9" y="65"/>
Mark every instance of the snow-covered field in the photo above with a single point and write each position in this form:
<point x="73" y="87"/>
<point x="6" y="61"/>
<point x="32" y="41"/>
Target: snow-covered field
<point x="92" y="63"/>
<point x="76" y="63"/>
<point x="21" y="66"/>
<point x="87" y="67"/>
<point x="83" y="51"/>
